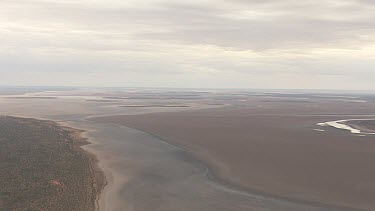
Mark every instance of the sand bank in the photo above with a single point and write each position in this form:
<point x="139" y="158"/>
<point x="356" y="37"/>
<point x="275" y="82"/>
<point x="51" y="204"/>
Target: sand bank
<point x="356" y="126"/>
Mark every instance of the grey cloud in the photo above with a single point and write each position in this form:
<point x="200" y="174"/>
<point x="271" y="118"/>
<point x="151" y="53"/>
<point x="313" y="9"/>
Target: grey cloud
<point x="302" y="24"/>
<point x="302" y="28"/>
<point x="237" y="38"/>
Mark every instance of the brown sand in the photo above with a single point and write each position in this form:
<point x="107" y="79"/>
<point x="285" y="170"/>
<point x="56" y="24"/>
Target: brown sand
<point x="272" y="147"/>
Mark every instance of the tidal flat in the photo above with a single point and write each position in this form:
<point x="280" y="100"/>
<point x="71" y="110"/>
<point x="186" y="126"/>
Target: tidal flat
<point x="146" y="170"/>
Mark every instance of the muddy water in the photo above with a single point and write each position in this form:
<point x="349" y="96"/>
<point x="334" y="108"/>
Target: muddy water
<point x="143" y="172"/>
<point x="149" y="174"/>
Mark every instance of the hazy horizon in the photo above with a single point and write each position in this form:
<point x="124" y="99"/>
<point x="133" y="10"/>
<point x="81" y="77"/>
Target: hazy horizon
<point x="257" y="90"/>
<point x="270" y="44"/>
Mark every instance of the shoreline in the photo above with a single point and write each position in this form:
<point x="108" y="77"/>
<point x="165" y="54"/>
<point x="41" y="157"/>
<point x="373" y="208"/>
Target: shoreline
<point x="80" y="140"/>
<point x="99" y="180"/>
<point x="98" y="174"/>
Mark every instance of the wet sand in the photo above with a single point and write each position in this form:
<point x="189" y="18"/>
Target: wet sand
<point x="280" y="153"/>
<point x="146" y="173"/>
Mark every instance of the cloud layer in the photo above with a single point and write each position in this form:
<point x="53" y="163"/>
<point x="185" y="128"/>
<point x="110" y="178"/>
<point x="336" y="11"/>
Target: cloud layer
<point x="205" y="43"/>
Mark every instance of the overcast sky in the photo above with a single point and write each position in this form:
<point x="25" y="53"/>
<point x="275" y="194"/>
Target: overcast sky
<point x="327" y="44"/>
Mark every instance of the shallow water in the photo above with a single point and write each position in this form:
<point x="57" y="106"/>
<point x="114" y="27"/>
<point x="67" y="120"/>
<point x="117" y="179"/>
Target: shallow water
<point x="145" y="173"/>
<point x="149" y="174"/>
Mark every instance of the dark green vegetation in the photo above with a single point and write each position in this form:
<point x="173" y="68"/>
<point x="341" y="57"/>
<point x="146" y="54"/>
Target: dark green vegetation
<point x="43" y="168"/>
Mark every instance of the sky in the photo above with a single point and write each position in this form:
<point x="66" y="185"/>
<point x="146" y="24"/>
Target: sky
<point x="272" y="44"/>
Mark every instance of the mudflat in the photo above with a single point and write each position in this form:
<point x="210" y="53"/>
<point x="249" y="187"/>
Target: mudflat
<point x="43" y="167"/>
<point x="271" y="147"/>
